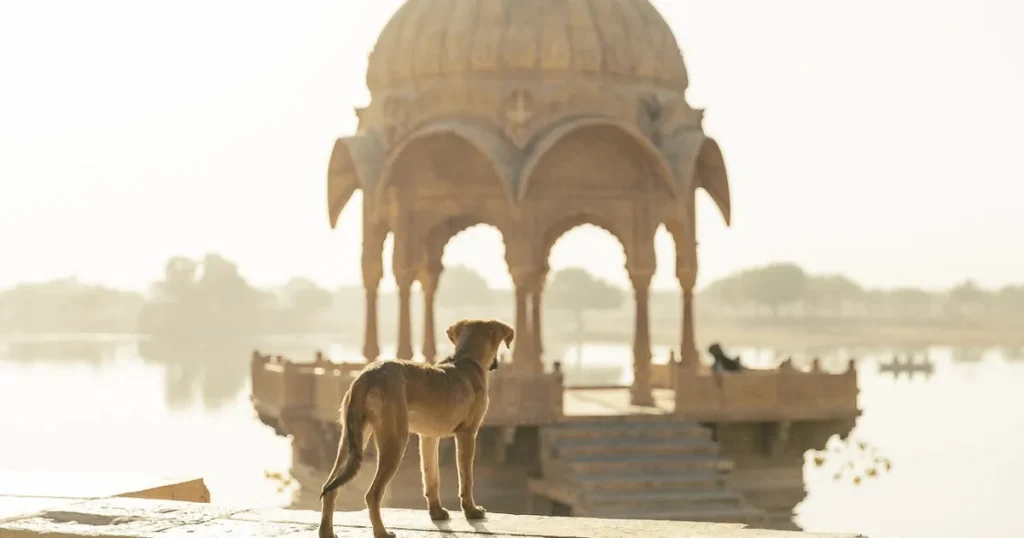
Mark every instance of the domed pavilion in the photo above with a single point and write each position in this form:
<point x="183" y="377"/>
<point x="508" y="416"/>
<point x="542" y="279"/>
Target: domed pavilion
<point x="532" y="116"/>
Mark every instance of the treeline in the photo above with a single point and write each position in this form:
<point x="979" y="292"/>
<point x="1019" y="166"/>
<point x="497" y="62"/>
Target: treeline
<point x="193" y="298"/>
<point x="211" y="297"/>
<point x="786" y="290"/>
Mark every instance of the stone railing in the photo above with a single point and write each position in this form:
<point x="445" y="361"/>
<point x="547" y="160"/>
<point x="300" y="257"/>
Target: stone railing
<point x="284" y="389"/>
<point x="781" y="394"/>
<point x="524" y="398"/>
<point x="663" y="375"/>
<point x="139" y="518"/>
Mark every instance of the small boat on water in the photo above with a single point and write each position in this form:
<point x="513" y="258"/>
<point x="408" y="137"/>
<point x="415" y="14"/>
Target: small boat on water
<point x="908" y="366"/>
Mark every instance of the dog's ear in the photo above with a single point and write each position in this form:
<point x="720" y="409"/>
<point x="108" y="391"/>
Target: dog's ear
<point x="454" y="330"/>
<point x="508" y="333"/>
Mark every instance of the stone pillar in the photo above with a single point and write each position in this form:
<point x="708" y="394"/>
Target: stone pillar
<point x="429" y="279"/>
<point x="641" y="391"/>
<point x="522" y="355"/>
<point x="371" y="344"/>
<point x="404" y="281"/>
<point x="535" y="325"/>
<point x="686" y="272"/>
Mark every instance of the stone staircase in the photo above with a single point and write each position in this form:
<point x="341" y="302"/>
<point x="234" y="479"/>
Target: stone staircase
<point x="639" y="467"/>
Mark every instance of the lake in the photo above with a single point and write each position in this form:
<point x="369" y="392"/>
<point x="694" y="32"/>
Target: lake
<point x="955" y="439"/>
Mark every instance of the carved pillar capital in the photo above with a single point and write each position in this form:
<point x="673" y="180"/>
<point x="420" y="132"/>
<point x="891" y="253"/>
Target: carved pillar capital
<point x="687" y="275"/>
<point x="373" y="271"/>
<point x="640" y="278"/>
<point x="429" y="275"/>
<point x="529" y="277"/>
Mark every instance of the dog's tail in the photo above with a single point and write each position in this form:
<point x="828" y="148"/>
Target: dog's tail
<point x="352" y="424"/>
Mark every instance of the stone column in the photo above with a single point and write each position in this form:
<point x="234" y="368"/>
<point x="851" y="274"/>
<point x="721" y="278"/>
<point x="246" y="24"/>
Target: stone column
<point x="404" y="281"/>
<point x="535" y="311"/>
<point x="429" y="279"/>
<point x="686" y="272"/>
<point x="522" y="355"/>
<point x="371" y="344"/>
<point x="641" y="391"/>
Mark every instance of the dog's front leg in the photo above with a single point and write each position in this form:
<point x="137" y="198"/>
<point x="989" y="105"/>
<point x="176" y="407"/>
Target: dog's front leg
<point x="465" y="449"/>
<point x="431" y="477"/>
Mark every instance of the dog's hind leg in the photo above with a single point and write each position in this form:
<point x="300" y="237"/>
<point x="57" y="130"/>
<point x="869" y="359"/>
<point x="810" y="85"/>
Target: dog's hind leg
<point x="431" y="477"/>
<point x="391" y="435"/>
<point x="465" y="451"/>
<point x="328" y="499"/>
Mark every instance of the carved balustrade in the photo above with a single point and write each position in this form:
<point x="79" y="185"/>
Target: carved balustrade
<point x="782" y="394"/>
<point x="284" y="391"/>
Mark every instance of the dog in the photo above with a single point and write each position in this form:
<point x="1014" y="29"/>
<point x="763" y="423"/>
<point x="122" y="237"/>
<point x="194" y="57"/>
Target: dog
<point x="722" y="361"/>
<point x="396" y="397"/>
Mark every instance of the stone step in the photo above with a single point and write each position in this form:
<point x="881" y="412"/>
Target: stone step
<point x="664" y="500"/>
<point x="750" y="516"/>
<point x="601" y="465"/>
<point x="569" y="449"/>
<point x="640" y="482"/>
<point x="638" y="431"/>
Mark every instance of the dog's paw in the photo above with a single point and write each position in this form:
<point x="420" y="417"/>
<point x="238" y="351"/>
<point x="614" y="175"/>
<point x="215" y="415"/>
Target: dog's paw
<point x="439" y="514"/>
<point x="474" y="512"/>
<point x="384" y="535"/>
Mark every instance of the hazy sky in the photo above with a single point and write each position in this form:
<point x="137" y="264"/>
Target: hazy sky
<point x="879" y="138"/>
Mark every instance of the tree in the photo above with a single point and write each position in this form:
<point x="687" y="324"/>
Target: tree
<point x="774" y="285"/>
<point x="909" y="302"/>
<point x="1011" y="300"/>
<point x="461" y="287"/>
<point x="831" y="292"/>
<point x="222" y="287"/>
<point x="725" y="291"/>
<point x="577" y="290"/>
<point x="179" y="282"/>
<point x="968" y="297"/>
<point x="210" y="297"/>
<point x="306" y="297"/>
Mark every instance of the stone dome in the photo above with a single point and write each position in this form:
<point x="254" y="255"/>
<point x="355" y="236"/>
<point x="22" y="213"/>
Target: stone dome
<point x="623" y="41"/>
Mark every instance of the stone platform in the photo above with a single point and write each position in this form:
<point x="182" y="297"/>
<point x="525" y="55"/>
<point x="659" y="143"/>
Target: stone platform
<point x="144" y="518"/>
<point x="24" y="492"/>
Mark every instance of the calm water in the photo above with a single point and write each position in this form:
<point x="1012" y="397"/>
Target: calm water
<point x="955" y="439"/>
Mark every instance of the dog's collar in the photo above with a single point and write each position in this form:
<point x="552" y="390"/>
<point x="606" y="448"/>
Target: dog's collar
<point x="454" y="359"/>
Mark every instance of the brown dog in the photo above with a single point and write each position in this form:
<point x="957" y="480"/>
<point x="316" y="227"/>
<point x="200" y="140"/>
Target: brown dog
<point x="392" y="398"/>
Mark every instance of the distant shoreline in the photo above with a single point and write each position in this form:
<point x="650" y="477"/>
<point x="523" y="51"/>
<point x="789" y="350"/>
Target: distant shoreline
<point x="787" y="334"/>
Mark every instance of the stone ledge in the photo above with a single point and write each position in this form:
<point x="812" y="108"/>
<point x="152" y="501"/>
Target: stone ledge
<point x="94" y="485"/>
<point x="143" y="518"/>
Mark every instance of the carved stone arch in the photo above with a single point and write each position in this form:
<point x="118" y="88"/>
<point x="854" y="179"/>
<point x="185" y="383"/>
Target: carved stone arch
<point x="543" y="147"/>
<point x="555" y="228"/>
<point x="502" y="155"/>
<point x="356" y="163"/>
<point x="439" y="232"/>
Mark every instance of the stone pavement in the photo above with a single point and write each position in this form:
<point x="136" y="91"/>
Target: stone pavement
<point x="144" y="518"/>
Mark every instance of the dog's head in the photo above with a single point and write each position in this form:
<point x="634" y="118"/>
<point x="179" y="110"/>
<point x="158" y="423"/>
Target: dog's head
<point x="482" y="337"/>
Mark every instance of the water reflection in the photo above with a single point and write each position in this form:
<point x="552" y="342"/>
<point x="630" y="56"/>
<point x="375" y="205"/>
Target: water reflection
<point x="86" y="351"/>
<point x="954" y="441"/>
<point x="968" y="353"/>
<point x="208" y="372"/>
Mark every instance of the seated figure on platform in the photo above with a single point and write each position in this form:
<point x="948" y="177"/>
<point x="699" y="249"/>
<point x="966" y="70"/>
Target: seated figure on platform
<point x="722" y="362"/>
